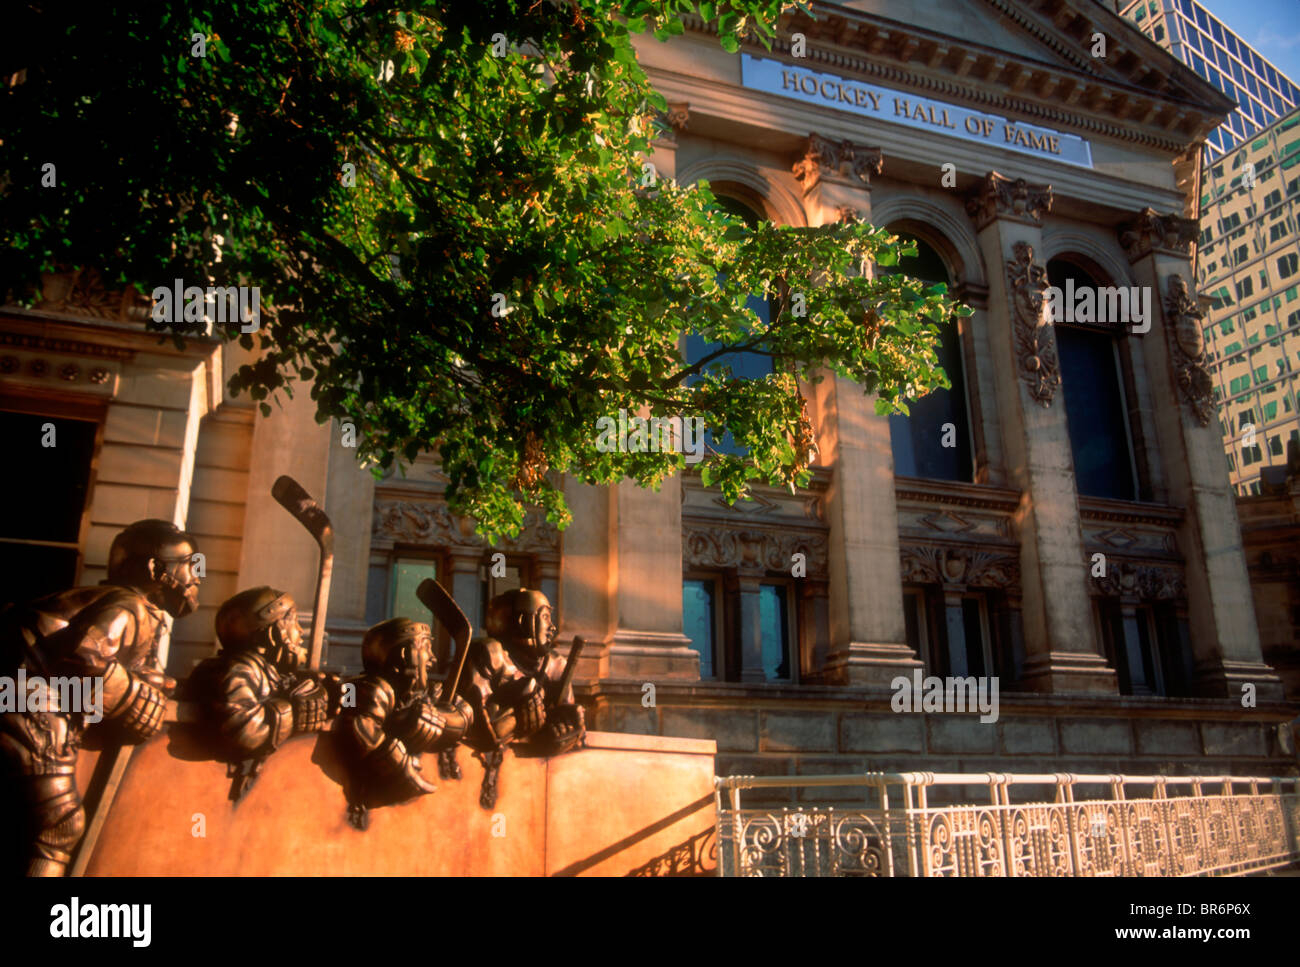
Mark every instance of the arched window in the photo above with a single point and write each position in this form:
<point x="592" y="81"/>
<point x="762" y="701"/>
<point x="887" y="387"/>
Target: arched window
<point x="728" y="615"/>
<point x="1095" y="405"/>
<point x="745" y="364"/>
<point x="934" y="440"/>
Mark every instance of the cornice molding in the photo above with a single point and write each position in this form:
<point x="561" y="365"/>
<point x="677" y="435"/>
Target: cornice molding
<point x="1134" y="106"/>
<point x="981" y="496"/>
<point x="72" y="347"/>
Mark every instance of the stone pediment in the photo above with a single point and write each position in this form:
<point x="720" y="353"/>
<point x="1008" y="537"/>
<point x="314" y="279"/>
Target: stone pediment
<point x="1029" y="59"/>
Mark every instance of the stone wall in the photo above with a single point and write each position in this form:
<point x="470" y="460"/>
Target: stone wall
<point x="776" y="730"/>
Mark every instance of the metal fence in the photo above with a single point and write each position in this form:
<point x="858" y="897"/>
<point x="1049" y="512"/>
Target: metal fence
<point x="1173" y="826"/>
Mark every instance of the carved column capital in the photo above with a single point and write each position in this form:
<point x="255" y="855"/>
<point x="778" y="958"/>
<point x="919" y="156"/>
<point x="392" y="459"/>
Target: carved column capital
<point x="1035" y="347"/>
<point x="1152" y="232"/>
<point x="1183" y="322"/>
<point x="677" y="118"/>
<point x="1016" y="200"/>
<point x="846" y="161"/>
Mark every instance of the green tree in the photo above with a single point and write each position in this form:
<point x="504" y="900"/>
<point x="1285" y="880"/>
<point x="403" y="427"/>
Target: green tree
<point x="386" y="172"/>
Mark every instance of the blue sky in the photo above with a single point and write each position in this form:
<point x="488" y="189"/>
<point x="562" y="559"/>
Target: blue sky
<point x="1272" y="27"/>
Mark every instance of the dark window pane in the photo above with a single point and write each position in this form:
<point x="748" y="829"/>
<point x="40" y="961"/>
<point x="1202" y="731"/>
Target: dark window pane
<point x="408" y="573"/>
<point x="33" y="571"/>
<point x="50" y="494"/>
<point x="912" y="621"/>
<point x="776" y="636"/>
<point x="698" y="621"/>
<point x="971" y="624"/>
<point x="918" y="438"/>
<point x="1103" y="465"/>
<point x="1094" y="403"/>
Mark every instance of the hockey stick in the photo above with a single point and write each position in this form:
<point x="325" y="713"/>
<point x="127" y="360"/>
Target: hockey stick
<point x="444" y="607"/>
<point x="290" y="495"/>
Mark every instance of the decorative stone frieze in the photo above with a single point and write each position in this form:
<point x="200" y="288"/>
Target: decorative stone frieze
<point x="430" y="522"/>
<point x="1035" y="348"/>
<point x="970" y="566"/>
<point x="1149" y="582"/>
<point x="721" y="546"/>
<point x="824" y="158"/>
<point x="82" y="292"/>
<point x="1017" y="200"/>
<point x="1153" y="232"/>
<point x="1183" y="321"/>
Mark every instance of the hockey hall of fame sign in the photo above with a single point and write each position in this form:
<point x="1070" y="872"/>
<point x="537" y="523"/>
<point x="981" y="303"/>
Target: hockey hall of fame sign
<point x="901" y="107"/>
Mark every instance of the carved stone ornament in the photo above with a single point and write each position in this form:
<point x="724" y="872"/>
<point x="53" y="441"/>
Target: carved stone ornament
<point x="824" y="158"/>
<point x="1035" y="346"/>
<point x="430" y="522"/>
<point x="82" y="292"/>
<point x="1000" y="197"/>
<point x="1149" y="582"/>
<point x="928" y="564"/>
<point x="1187" y="350"/>
<point x="673" y="121"/>
<point x="725" y="547"/>
<point x="1153" y="232"/>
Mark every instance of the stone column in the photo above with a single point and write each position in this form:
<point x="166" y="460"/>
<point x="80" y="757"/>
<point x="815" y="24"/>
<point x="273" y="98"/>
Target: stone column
<point x="1062" y="654"/>
<point x="747" y="584"/>
<point x="1224" y="637"/>
<point x="587" y="576"/>
<point x="349" y="500"/>
<point x="275" y="549"/>
<point x="648" y="642"/>
<point x="867" y="630"/>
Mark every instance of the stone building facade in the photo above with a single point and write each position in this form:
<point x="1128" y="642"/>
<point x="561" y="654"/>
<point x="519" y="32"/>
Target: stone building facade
<point x="977" y="558"/>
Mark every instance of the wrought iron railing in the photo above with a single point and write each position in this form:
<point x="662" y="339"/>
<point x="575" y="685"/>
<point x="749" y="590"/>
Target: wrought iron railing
<point x="1182" y="826"/>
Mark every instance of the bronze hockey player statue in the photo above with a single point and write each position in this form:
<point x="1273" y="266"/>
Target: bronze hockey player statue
<point x="110" y="633"/>
<point x="392" y="716"/>
<point x="257" y="692"/>
<point x="518" y="687"/>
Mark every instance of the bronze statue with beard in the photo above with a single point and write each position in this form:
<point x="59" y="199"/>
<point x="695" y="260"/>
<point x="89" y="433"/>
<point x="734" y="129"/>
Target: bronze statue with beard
<point x="392" y="718"/>
<point x="514" y="681"/>
<point x="111" y="632"/>
<point x="257" y="692"/>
